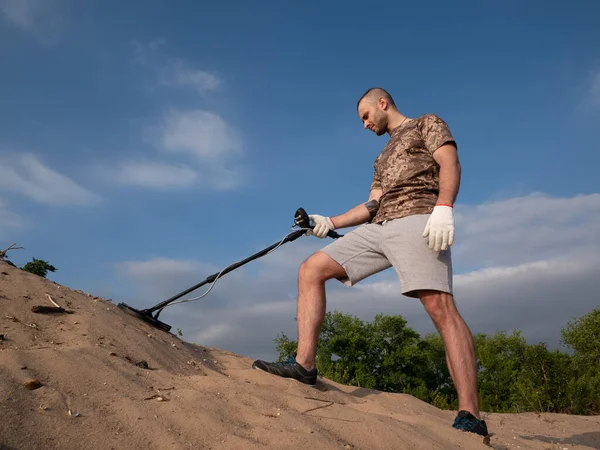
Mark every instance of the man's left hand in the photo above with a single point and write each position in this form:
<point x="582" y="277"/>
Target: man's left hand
<point x="440" y="228"/>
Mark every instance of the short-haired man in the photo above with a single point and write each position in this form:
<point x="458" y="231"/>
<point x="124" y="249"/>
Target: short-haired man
<point x="407" y="223"/>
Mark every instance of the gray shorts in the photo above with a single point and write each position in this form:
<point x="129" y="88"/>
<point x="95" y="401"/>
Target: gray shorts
<point x="398" y="243"/>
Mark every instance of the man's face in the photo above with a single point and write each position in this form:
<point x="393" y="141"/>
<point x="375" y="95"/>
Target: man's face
<point x="373" y="118"/>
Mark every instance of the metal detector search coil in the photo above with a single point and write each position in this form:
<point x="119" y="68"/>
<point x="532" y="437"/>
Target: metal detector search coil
<point x="301" y="220"/>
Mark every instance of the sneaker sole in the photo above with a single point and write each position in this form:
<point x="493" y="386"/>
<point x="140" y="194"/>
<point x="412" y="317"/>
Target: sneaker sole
<point x="287" y="378"/>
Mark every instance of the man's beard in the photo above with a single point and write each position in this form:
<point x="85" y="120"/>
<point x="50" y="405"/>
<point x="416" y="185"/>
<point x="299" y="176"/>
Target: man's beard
<point x="381" y="123"/>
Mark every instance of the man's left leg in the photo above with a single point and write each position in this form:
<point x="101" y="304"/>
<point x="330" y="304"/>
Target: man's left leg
<point x="427" y="275"/>
<point x="459" y="346"/>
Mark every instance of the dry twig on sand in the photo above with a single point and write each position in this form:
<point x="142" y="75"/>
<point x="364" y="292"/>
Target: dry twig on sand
<point x="10" y="247"/>
<point x="318" y="407"/>
<point x="50" y="309"/>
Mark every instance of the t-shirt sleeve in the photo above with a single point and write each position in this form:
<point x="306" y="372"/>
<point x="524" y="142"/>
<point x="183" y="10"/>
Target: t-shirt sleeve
<point x="376" y="181"/>
<point x="435" y="132"/>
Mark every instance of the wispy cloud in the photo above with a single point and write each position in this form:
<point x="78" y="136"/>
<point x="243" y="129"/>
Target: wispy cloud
<point x="25" y="174"/>
<point x="197" y="147"/>
<point x="172" y="72"/>
<point x="202" y="134"/>
<point x="143" y="54"/>
<point x="536" y="281"/>
<point x="8" y="219"/>
<point x="158" y="267"/>
<point x="19" y="12"/>
<point x="526" y="229"/>
<point x="151" y="174"/>
<point x="177" y="73"/>
<point x="595" y="89"/>
<point x="42" y="18"/>
<point x="207" y="140"/>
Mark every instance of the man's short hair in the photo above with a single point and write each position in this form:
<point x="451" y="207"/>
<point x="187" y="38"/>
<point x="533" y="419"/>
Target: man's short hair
<point x="374" y="93"/>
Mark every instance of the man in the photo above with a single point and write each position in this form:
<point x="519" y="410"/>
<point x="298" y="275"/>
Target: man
<point x="408" y="224"/>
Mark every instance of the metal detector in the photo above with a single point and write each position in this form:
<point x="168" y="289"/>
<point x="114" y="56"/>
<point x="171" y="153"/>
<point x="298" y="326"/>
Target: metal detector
<point x="301" y="220"/>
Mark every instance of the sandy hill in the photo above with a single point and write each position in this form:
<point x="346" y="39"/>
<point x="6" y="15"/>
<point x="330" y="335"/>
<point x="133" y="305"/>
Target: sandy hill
<point x="99" y="378"/>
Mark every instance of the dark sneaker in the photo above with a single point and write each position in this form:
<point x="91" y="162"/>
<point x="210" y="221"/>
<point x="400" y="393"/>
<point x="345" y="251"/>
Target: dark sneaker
<point x="288" y="369"/>
<point x="466" y="421"/>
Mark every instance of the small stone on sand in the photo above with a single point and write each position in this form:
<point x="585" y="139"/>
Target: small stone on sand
<point x="33" y="384"/>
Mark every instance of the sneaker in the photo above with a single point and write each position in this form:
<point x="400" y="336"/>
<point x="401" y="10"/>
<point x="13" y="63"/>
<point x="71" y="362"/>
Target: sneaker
<point x="288" y="369"/>
<point x="465" y="421"/>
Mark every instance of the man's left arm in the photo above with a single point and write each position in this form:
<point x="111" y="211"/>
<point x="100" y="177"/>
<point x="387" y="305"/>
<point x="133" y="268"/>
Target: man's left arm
<point x="449" y="179"/>
<point x="443" y="148"/>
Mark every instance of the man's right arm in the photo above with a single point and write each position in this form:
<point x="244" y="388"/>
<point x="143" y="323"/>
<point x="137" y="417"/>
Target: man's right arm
<point x="361" y="213"/>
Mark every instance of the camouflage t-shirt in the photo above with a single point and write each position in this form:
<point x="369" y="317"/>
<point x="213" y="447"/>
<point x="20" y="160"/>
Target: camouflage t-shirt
<point x="405" y="169"/>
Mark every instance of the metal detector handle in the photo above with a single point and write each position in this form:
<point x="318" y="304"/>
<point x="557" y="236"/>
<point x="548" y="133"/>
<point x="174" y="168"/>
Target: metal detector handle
<point x="333" y="234"/>
<point x="303" y="221"/>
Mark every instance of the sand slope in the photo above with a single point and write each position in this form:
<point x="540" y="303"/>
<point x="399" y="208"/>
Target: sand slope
<point x="202" y="398"/>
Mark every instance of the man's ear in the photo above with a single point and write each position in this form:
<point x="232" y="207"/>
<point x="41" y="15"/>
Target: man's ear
<point x="382" y="103"/>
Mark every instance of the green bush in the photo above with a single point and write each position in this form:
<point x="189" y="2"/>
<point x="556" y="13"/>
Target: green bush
<point x="39" y="267"/>
<point x="513" y="376"/>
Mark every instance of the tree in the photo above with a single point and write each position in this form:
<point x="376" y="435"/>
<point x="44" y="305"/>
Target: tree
<point x="384" y="354"/>
<point x="39" y="267"/>
<point x="513" y="376"/>
<point x="582" y="336"/>
<point x="542" y="381"/>
<point x="442" y="393"/>
<point x="500" y="359"/>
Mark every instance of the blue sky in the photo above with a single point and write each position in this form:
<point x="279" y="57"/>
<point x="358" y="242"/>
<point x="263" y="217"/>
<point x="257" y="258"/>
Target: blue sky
<point x="145" y="146"/>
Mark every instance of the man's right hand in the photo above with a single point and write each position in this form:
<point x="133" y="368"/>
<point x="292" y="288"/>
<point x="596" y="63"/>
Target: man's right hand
<point x="322" y="226"/>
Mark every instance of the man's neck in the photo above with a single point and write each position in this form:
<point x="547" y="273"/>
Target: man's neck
<point x="396" y="118"/>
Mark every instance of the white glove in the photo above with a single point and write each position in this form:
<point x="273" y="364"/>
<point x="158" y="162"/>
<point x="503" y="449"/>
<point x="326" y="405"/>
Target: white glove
<point x="322" y="226"/>
<point x="440" y="228"/>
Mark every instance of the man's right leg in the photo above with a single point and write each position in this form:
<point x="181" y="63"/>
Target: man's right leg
<point x="313" y="274"/>
<point x="350" y="259"/>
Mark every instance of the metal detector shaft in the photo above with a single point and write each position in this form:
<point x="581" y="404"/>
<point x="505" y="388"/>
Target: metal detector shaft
<point x="291" y="237"/>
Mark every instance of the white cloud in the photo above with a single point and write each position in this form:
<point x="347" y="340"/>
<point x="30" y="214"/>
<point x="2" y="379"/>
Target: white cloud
<point x="214" y="333"/>
<point x="212" y="144"/>
<point x="595" y="89"/>
<point x="172" y="72"/>
<point x="7" y="217"/>
<point x="158" y="267"/>
<point x="177" y="73"/>
<point x="525" y="229"/>
<point x="9" y="220"/>
<point x="25" y="174"/>
<point x="18" y="11"/>
<point x="151" y="174"/>
<point x="158" y="277"/>
<point x="538" y="272"/>
<point x="201" y="150"/>
<point x="202" y="134"/>
<point x="143" y="54"/>
<point x="42" y="18"/>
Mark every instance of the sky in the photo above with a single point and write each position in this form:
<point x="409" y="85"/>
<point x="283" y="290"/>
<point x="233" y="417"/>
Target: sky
<point x="146" y="145"/>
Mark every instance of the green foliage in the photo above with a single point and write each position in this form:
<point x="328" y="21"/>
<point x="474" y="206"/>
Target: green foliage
<point x="39" y="267"/>
<point x="442" y="393"/>
<point x="582" y="335"/>
<point x="500" y="360"/>
<point x="513" y="376"/>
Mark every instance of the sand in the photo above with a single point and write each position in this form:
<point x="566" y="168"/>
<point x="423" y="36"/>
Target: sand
<point x="110" y="381"/>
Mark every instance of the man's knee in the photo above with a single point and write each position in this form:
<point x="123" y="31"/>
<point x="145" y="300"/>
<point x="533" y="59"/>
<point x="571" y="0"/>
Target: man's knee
<point x="320" y="267"/>
<point x="439" y="305"/>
